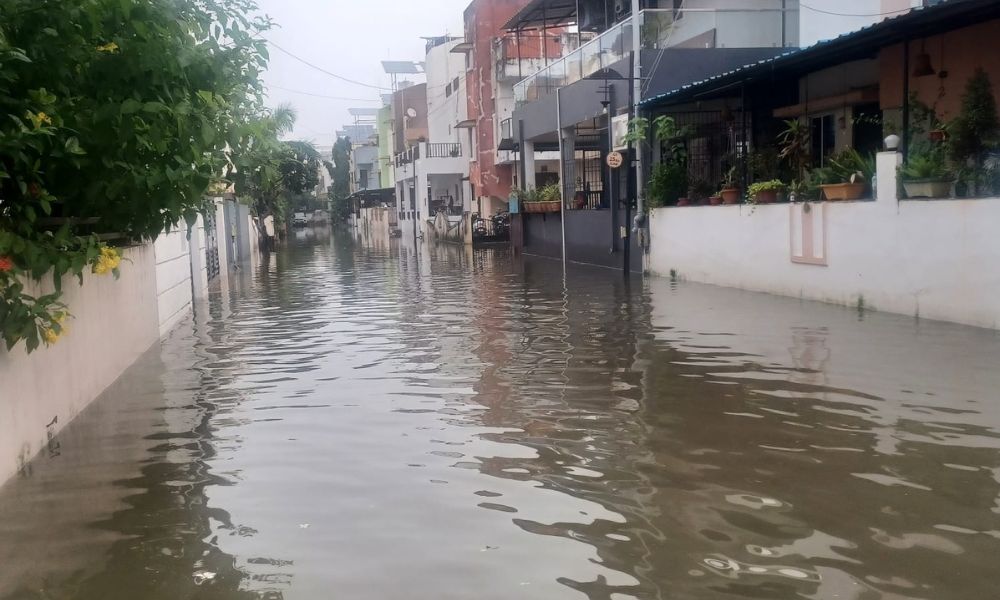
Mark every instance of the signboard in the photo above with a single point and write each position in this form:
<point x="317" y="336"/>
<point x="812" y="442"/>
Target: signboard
<point x="615" y="159"/>
<point x="619" y="129"/>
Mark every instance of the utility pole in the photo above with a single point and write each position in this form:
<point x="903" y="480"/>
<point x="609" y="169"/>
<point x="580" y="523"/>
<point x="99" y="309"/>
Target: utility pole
<point x="637" y="98"/>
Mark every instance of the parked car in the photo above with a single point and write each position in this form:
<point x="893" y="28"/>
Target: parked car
<point x="300" y="220"/>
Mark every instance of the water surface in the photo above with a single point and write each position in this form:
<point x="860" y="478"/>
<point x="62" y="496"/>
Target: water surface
<point x="353" y="420"/>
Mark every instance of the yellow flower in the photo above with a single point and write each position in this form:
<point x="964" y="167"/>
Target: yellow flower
<point x="39" y="119"/>
<point x="108" y="261"/>
<point x="50" y="336"/>
<point x="109" y="47"/>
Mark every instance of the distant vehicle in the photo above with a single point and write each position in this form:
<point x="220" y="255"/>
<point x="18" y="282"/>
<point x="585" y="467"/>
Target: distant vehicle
<point x="300" y="220"/>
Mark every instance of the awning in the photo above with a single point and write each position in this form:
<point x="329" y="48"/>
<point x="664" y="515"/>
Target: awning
<point x="542" y="14"/>
<point x="863" y="43"/>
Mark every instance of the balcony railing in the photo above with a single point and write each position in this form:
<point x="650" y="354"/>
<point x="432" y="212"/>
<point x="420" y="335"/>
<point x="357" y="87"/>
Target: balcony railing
<point x="443" y="150"/>
<point x="427" y="150"/>
<point x="517" y="56"/>
<point x="660" y="29"/>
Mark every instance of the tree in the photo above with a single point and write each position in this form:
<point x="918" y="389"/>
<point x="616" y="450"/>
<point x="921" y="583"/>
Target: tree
<point x="114" y="119"/>
<point x="267" y="172"/>
<point x="341" y="174"/>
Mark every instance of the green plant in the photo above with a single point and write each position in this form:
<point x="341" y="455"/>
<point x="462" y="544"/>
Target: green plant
<point x="849" y="166"/>
<point x="795" y="146"/>
<point x="668" y="183"/>
<point x="550" y="193"/>
<point x="116" y="118"/>
<point x="773" y="185"/>
<point x="730" y="178"/>
<point x="927" y="166"/>
<point x="976" y="130"/>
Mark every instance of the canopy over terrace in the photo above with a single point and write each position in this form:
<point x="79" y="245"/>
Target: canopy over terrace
<point x="544" y="14"/>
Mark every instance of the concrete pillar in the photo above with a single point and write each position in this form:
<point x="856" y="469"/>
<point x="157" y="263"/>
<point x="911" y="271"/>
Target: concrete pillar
<point x="528" y="156"/>
<point x="886" y="166"/>
<point x="569" y="166"/>
<point x="423" y="202"/>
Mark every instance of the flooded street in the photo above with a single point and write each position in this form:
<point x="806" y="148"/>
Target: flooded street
<point x="353" y="421"/>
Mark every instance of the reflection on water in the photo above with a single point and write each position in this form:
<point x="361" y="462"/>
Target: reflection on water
<point x="354" y="419"/>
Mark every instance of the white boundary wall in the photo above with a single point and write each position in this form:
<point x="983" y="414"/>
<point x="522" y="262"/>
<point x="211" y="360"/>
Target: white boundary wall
<point x="114" y="321"/>
<point x="936" y="259"/>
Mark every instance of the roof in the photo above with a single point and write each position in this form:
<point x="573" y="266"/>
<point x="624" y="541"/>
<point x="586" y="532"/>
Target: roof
<point x="542" y="14"/>
<point x="362" y="112"/>
<point x="855" y="45"/>
<point x="400" y="67"/>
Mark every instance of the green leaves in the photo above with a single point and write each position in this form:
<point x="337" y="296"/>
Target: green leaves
<point x="115" y="114"/>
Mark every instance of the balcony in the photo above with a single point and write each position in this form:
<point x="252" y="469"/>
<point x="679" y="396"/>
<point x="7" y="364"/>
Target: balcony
<point x="661" y="29"/>
<point x="519" y="55"/>
<point x="426" y="158"/>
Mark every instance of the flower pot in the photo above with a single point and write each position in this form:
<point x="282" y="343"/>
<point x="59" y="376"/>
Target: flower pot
<point x="683" y="202"/>
<point x="730" y="195"/>
<point x="843" y="191"/>
<point x="766" y="197"/>
<point x="927" y="189"/>
<point x="937" y="135"/>
<point x="715" y="200"/>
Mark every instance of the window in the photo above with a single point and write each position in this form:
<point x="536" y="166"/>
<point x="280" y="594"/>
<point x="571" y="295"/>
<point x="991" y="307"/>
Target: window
<point x="824" y="138"/>
<point x="454" y="84"/>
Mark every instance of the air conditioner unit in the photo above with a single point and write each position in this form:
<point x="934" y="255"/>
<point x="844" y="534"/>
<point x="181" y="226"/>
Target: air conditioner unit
<point x="620" y="7"/>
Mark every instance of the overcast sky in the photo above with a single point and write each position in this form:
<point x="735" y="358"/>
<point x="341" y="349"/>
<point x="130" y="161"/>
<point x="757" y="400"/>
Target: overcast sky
<point x="349" y="38"/>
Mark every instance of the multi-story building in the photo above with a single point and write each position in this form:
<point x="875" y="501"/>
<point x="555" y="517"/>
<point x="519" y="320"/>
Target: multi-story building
<point x="432" y="162"/>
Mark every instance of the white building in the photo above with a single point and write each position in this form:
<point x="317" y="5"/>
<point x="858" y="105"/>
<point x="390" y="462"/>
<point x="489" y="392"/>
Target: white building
<point x="432" y="175"/>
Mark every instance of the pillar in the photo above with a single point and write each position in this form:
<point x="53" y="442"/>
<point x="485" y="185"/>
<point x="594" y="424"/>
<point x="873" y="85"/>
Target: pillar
<point x="528" y="156"/>
<point x="568" y="159"/>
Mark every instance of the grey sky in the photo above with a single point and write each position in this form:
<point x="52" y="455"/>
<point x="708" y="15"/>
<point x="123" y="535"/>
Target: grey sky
<point x="349" y="38"/>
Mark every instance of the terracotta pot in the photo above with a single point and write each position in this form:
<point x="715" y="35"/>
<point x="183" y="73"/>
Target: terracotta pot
<point x="715" y="200"/>
<point x="928" y="189"/>
<point x="843" y="191"/>
<point x="937" y="135"/>
<point x="683" y="202"/>
<point x="766" y="197"/>
<point x="730" y="195"/>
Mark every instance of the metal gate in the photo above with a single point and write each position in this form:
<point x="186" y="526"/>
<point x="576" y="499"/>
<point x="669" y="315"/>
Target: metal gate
<point x="211" y="244"/>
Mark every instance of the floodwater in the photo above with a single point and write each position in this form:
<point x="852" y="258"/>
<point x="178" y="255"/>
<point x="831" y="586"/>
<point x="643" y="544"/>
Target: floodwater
<point x="353" y="421"/>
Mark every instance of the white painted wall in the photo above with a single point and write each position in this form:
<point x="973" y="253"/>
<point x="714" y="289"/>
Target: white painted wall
<point x="446" y="106"/>
<point x="113" y="322"/>
<point x="173" y="277"/>
<point x="936" y="259"/>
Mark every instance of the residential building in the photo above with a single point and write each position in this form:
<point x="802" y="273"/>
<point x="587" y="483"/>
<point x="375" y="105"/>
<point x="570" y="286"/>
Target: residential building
<point x="907" y="75"/>
<point x="432" y="167"/>
<point x="582" y="103"/>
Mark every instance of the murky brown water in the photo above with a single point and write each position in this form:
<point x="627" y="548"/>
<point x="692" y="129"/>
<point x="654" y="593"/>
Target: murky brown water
<point x="353" y="422"/>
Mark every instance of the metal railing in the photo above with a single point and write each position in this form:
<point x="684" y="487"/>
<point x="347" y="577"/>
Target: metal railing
<point x="443" y="150"/>
<point x="660" y="29"/>
<point x="427" y="150"/>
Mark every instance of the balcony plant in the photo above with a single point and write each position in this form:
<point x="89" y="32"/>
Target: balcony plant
<point x="927" y="175"/>
<point x="543" y="200"/>
<point x="847" y="176"/>
<point x="765" y="192"/>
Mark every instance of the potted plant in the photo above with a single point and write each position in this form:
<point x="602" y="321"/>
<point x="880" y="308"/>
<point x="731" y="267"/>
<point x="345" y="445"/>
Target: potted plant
<point x="849" y="174"/>
<point x="927" y="175"/>
<point x="765" y="192"/>
<point x="549" y="198"/>
<point x="730" y="191"/>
